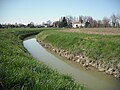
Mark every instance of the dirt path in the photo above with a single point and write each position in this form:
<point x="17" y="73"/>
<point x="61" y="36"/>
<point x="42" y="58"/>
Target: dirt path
<point x="104" y="31"/>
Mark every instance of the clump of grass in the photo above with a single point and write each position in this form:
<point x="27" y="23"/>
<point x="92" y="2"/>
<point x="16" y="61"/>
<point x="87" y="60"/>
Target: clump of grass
<point x="20" y="71"/>
<point x="96" y="47"/>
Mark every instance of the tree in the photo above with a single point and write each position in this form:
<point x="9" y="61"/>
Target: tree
<point x="87" y="24"/>
<point x="94" y="24"/>
<point x="16" y="25"/>
<point x="99" y="22"/>
<point x="31" y="25"/>
<point x="0" y="26"/>
<point x="106" y="22"/>
<point x="49" y="22"/>
<point x="22" y="25"/>
<point x="56" y="24"/>
<point x="90" y="19"/>
<point x="69" y="21"/>
<point x="64" y="22"/>
<point x="80" y="19"/>
<point x="114" y="20"/>
<point x="118" y="21"/>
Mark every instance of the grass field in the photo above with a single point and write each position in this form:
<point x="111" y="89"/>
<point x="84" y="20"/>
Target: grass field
<point x="104" y="47"/>
<point x="20" y="71"/>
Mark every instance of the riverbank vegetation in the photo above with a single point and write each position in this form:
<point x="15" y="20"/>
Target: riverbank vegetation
<point x="20" y="71"/>
<point x="102" y="51"/>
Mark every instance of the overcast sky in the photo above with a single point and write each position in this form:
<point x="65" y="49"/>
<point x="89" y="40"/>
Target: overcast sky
<point x="37" y="11"/>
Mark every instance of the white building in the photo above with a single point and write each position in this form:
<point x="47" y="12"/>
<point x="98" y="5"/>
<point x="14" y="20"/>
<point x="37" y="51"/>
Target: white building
<point x="78" y="25"/>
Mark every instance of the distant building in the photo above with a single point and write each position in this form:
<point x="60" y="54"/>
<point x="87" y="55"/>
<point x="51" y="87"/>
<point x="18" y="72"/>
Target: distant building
<point x="78" y="25"/>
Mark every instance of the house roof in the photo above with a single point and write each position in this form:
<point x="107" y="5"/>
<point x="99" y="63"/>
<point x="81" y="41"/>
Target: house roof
<point x="76" y="23"/>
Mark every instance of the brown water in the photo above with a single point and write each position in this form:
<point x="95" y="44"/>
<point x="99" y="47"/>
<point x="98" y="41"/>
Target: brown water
<point x="93" y="79"/>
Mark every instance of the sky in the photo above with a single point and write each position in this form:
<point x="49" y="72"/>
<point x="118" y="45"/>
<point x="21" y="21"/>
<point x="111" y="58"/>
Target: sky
<point x="38" y="11"/>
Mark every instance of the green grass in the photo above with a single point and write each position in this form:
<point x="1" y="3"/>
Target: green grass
<point x="96" y="47"/>
<point x="20" y="71"/>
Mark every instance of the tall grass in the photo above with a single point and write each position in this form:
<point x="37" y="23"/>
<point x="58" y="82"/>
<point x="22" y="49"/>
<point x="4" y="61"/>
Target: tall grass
<point x="20" y="71"/>
<point x="96" y="47"/>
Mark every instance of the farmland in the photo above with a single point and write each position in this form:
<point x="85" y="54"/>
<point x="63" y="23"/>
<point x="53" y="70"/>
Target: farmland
<point x="103" y="31"/>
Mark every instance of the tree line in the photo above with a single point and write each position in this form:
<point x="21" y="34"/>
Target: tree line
<point x="113" y="21"/>
<point x="29" y="25"/>
<point x="67" y="22"/>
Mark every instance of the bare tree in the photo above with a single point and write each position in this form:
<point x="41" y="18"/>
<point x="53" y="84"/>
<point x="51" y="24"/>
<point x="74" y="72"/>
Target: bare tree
<point x="31" y="25"/>
<point x="100" y="24"/>
<point x="49" y="22"/>
<point x="84" y="19"/>
<point x="106" y="22"/>
<point x="90" y="20"/>
<point x="69" y="20"/>
<point x="114" y="20"/>
<point x="94" y="24"/>
<point x="118" y="21"/>
<point x="81" y="19"/>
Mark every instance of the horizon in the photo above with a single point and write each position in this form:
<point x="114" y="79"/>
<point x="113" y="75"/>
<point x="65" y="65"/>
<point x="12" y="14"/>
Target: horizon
<point x="38" y="11"/>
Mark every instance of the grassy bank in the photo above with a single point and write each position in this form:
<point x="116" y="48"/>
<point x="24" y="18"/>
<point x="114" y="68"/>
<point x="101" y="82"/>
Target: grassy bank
<point x="20" y="71"/>
<point x="104" y="48"/>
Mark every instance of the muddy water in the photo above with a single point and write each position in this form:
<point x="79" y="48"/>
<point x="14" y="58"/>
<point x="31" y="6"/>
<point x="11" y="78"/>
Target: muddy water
<point x="93" y="79"/>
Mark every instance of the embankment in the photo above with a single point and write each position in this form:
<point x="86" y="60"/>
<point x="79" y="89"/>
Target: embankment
<point x="98" y="51"/>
